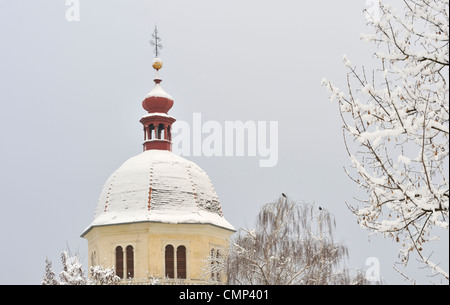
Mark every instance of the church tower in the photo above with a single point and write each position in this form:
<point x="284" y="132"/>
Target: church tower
<point x="158" y="215"/>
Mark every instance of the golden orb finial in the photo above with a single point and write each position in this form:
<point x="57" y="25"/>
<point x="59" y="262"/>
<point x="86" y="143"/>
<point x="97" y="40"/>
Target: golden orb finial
<point x="157" y="64"/>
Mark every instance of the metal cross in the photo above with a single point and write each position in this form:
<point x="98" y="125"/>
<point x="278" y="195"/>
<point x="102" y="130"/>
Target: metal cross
<point x="156" y="41"/>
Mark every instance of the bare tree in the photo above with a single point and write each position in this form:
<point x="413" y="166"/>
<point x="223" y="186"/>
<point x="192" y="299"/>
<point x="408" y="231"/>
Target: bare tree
<point x="290" y="244"/>
<point x="396" y="125"/>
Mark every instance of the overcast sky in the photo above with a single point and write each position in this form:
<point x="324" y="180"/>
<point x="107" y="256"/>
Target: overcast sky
<point x="71" y="95"/>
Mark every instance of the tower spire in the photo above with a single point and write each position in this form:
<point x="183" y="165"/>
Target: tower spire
<point x="156" y="42"/>
<point x="157" y="123"/>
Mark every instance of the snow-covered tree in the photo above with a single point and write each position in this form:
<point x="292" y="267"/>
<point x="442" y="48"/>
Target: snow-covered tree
<point x="290" y="244"/>
<point x="102" y="276"/>
<point x="396" y="125"/>
<point x="73" y="274"/>
<point x="50" y="275"/>
<point x="215" y="265"/>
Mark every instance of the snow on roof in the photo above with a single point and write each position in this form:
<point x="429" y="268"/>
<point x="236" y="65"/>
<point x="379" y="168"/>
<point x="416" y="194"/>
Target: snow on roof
<point x="158" y="91"/>
<point x="159" y="186"/>
<point x="158" y="114"/>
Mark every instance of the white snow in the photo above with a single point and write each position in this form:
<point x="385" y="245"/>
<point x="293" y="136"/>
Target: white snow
<point x="158" y="91"/>
<point x="181" y="192"/>
<point x="158" y="114"/>
<point x="404" y="160"/>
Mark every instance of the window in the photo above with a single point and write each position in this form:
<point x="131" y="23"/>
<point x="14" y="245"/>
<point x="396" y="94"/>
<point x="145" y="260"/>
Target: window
<point x="161" y="134"/>
<point x="94" y="258"/>
<point x="119" y="262"/>
<point x="125" y="265"/>
<point x="218" y="265"/>
<point x="169" y="134"/>
<point x="130" y="262"/>
<point x="215" y="265"/>
<point x="175" y="262"/>
<point x="169" y="260"/>
<point x="151" y="130"/>
<point x="181" y="262"/>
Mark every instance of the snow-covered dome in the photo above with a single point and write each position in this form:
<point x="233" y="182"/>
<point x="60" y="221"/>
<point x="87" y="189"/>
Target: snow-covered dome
<point x="159" y="186"/>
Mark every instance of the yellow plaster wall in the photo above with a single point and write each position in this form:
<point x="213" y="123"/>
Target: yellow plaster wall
<point x="149" y="240"/>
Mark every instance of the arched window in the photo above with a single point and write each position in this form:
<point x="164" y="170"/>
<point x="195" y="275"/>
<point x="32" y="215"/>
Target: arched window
<point x="169" y="262"/>
<point x="94" y="258"/>
<point x="169" y="134"/>
<point x="119" y="262"/>
<point x="212" y="264"/>
<point x="130" y="262"/>
<point x="151" y="131"/>
<point x="215" y="265"/>
<point x="161" y="131"/>
<point x="218" y="264"/>
<point x="181" y="262"/>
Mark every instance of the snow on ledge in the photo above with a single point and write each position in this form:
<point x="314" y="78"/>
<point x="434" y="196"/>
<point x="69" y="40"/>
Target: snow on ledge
<point x="158" y="114"/>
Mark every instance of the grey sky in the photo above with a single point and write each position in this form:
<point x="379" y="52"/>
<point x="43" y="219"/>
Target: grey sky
<point x="71" y="96"/>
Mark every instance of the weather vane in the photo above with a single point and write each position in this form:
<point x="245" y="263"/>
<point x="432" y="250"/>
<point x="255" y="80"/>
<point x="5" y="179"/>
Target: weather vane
<point x="156" y="41"/>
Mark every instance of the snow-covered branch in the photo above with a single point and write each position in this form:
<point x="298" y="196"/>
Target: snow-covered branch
<point x="398" y="120"/>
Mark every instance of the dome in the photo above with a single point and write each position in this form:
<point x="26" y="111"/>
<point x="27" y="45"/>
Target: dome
<point x="159" y="186"/>
<point x="157" y="100"/>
